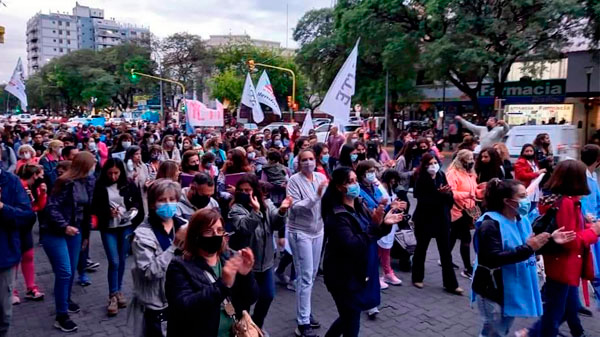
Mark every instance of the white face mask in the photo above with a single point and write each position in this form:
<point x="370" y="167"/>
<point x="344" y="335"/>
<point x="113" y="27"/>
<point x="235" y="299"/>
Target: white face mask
<point x="27" y="155"/>
<point x="126" y="145"/>
<point x="433" y="168"/>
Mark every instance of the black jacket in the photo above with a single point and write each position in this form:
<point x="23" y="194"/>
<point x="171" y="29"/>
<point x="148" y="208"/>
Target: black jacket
<point x="433" y="206"/>
<point x="491" y="254"/>
<point x="195" y="303"/>
<point x="101" y="207"/>
<point x="346" y="254"/>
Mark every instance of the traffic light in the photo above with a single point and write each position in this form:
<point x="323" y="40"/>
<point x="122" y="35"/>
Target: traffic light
<point x="250" y="65"/>
<point x="290" y="103"/>
<point x="1" y="34"/>
<point x="133" y="77"/>
<point x="295" y="106"/>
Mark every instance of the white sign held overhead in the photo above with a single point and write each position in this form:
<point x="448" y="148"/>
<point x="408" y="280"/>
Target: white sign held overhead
<point x="16" y="85"/>
<point x="338" y="99"/>
<point x="266" y="95"/>
<point x="307" y="125"/>
<point x="250" y="100"/>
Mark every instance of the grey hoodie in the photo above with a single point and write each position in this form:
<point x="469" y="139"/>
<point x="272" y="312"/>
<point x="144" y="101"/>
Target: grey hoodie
<point x="185" y="209"/>
<point x="305" y="212"/>
<point x="487" y="137"/>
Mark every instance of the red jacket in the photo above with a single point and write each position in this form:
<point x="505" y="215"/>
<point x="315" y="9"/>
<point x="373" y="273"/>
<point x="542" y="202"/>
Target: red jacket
<point x="39" y="203"/>
<point x="574" y="260"/>
<point x="523" y="171"/>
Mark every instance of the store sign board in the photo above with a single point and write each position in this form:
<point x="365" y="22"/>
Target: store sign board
<point x="526" y="88"/>
<point x="519" y="114"/>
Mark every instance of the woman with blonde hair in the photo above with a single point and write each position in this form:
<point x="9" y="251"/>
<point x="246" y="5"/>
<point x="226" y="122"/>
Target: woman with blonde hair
<point x="49" y="161"/>
<point x="168" y="169"/>
<point x="66" y="226"/>
<point x="26" y="155"/>
<point x="465" y="191"/>
<point x="507" y="167"/>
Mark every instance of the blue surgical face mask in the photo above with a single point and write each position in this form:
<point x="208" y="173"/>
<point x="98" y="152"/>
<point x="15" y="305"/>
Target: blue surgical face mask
<point x="524" y="207"/>
<point x="353" y="157"/>
<point x="353" y="191"/>
<point x="277" y="143"/>
<point x="325" y="159"/>
<point x="370" y="177"/>
<point x="166" y="210"/>
<point x="102" y="138"/>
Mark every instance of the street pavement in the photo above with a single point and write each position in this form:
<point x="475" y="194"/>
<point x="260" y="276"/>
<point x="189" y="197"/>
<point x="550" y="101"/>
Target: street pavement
<point x="405" y="310"/>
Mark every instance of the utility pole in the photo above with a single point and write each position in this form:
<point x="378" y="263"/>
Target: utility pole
<point x="385" y="130"/>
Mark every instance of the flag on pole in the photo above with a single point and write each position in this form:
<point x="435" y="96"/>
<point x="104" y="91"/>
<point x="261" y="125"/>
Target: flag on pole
<point x="339" y="96"/>
<point x="307" y="125"/>
<point x="266" y="95"/>
<point x="250" y="100"/>
<point x="16" y="85"/>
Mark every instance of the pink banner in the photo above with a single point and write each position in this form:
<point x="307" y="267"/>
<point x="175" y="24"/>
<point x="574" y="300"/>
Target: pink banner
<point x="198" y="114"/>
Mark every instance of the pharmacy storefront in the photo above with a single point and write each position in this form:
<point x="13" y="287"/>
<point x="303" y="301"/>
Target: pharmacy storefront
<point x="536" y="114"/>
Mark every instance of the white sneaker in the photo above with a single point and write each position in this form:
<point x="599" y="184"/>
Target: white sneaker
<point x="392" y="279"/>
<point x="382" y="284"/>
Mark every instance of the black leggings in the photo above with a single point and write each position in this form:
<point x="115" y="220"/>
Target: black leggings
<point x="461" y="230"/>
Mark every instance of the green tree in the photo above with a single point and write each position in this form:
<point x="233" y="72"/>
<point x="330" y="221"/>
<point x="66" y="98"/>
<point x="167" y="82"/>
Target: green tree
<point x="227" y="86"/>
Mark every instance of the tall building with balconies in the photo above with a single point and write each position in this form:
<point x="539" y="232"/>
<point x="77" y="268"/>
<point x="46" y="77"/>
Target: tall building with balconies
<point x="55" y="34"/>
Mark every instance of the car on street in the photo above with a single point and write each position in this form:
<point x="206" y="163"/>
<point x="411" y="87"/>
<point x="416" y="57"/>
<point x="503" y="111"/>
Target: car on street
<point x="25" y="118"/>
<point x="75" y="121"/>
<point x="250" y="126"/>
<point x="322" y="131"/>
<point x="321" y="121"/>
<point x="275" y="125"/>
<point x="116" y="121"/>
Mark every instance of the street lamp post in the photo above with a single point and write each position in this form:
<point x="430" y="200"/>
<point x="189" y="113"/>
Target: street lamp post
<point x="588" y="72"/>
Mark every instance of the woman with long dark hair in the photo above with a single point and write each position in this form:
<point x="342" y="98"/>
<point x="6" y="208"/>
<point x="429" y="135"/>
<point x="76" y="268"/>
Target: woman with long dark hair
<point x="254" y="220"/>
<point x="432" y="220"/>
<point x="351" y="265"/>
<point x="488" y="165"/>
<point x="66" y="225"/>
<point x="116" y="199"/>
<point x="348" y="156"/>
<point x="405" y="168"/>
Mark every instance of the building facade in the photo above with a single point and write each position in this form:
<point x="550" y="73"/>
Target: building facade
<point x="56" y="34"/>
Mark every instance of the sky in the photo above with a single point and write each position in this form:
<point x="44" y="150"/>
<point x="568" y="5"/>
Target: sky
<point x="261" y="19"/>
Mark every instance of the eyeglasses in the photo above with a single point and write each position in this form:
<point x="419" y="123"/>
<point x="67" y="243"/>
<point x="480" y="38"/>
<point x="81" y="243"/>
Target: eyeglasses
<point x="211" y="232"/>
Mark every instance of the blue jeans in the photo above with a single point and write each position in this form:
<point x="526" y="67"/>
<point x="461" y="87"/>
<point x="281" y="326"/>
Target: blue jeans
<point x="63" y="253"/>
<point x="266" y="286"/>
<point x="116" y="246"/>
<point x="561" y="302"/>
<point x="307" y="253"/>
<point x="495" y="324"/>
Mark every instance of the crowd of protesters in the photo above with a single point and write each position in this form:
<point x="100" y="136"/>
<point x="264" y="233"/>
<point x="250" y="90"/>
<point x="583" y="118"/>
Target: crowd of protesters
<point x="213" y="219"/>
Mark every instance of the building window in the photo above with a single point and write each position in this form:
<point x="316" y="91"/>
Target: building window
<point x="61" y="50"/>
<point x="60" y="40"/>
<point x="53" y="22"/>
<point x="60" y="32"/>
<point x="60" y="23"/>
<point x="54" y="40"/>
<point x="53" y="32"/>
<point x="68" y="33"/>
<point x="54" y="49"/>
<point x="69" y="50"/>
<point x="68" y="24"/>
<point x="68" y="41"/>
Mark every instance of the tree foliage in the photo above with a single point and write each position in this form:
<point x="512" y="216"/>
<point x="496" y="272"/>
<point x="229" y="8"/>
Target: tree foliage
<point x="461" y="41"/>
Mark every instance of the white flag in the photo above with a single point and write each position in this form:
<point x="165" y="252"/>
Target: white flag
<point x="250" y="100"/>
<point x="339" y="96"/>
<point x="266" y="95"/>
<point x="16" y="85"/>
<point x="307" y="125"/>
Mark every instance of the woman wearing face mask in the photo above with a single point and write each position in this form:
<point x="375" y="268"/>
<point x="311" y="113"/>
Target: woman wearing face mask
<point x="220" y="155"/>
<point x="26" y="155"/>
<point x="154" y="244"/>
<point x="488" y="165"/>
<point x="361" y="150"/>
<point x="276" y="142"/>
<point x="322" y="154"/>
<point x="254" y="221"/>
<point x="405" y="168"/>
<point x="209" y="285"/>
<point x="432" y="220"/>
<point x="302" y="143"/>
<point x="154" y="163"/>
<point x="64" y="229"/>
<point x="187" y="144"/>
<point x="124" y="141"/>
<point x="170" y="151"/>
<point x="32" y="179"/>
<point x="115" y="198"/>
<point x="136" y="170"/>
<point x="463" y="182"/>
<point x="567" y="265"/>
<point x="49" y="161"/>
<point x="527" y="168"/>
<point x="350" y="265"/>
<point x="305" y="228"/>
<point x="207" y="165"/>
<point x="145" y="144"/>
<point x="504" y="284"/>
<point x="348" y="157"/>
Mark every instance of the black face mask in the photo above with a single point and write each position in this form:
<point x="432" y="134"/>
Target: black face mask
<point x="242" y="198"/>
<point x="210" y="244"/>
<point x="194" y="167"/>
<point x="528" y="156"/>
<point x="469" y="166"/>
<point x="155" y="156"/>
<point x="200" y="201"/>
<point x="362" y="156"/>
<point x="489" y="128"/>
<point x="38" y="182"/>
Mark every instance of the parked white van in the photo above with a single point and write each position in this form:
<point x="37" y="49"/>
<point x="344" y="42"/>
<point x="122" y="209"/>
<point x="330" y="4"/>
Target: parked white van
<point x="563" y="138"/>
